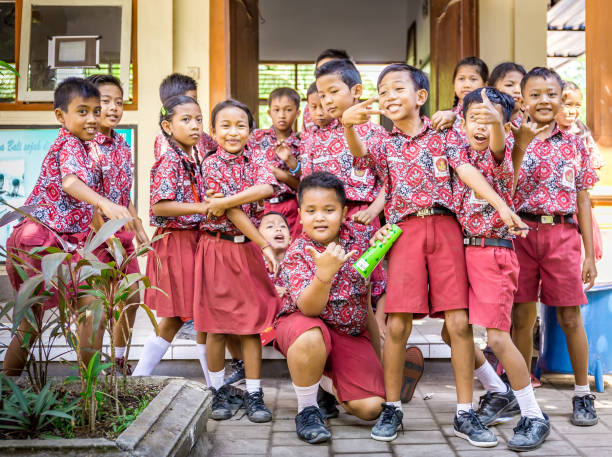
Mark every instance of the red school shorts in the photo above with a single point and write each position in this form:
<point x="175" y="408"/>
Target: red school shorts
<point x="549" y="258"/>
<point x="27" y="235"/>
<point x="289" y="209"/>
<point x="352" y="364"/>
<point x="427" y="273"/>
<point x="493" y="277"/>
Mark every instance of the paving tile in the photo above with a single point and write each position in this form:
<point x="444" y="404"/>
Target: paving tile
<point x="589" y="439"/>
<point x="242" y="431"/>
<point x="597" y="451"/>
<point x="345" y="419"/>
<point x="567" y="428"/>
<point x="287" y="439"/>
<point x="283" y="426"/>
<point x="481" y="452"/>
<point x="359" y="445"/>
<point x="420" y="437"/>
<point x="350" y="431"/>
<point x="420" y="424"/>
<point x="240" y="446"/>
<point x="460" y="444"/>
<point x="417" y="412"/>
<point x="555" y="448"/>
<point x="375" y="454"/>
<point x="318" y="450"/>
<point x="437" y="450"/>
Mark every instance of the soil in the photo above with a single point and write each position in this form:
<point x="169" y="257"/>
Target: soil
<point x="109" y="425"/>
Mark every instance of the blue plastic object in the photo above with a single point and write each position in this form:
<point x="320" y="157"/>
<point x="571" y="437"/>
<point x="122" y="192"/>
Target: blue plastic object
<point x="596" y="316"/>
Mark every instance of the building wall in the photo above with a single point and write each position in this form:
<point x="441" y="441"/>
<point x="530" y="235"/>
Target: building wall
<point x="513" y="30"/>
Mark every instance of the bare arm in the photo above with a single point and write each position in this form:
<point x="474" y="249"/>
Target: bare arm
<point x="286" y="177"/>
<point x="355" y="144"/>
<point x="172" y="208"/>
<point x="255" y="193"/>
<point x="141" y="235"/>
<point x="589" y="271"/>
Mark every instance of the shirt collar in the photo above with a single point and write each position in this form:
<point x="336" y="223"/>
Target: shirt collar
<point x="347" y="233"/>
<point x="424" y="128"/>
<point x="228" y="157"/>
<point x="100" y="138"/>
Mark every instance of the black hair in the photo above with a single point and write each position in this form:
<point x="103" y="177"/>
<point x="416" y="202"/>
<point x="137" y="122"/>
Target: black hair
<point x="275" y="213"/>
<point x="71" y="88"/>
<point x="343" y="68"/>
<point x="472" y="61"/>
<point x="419" y="79"/>
<point x="167" y="111"/>
<point x="98" y="80"/>
<point x="231" y="103"/>
<point x="497" y="98"/>
<point x="336" y="54"/>
<point x="501" y="70"/>
<point x="541" y="72"/>
<point x="322" y="180"/>
<point x="176" y="84"/>
<point x="288" y="92"/>
<point x="312" y="89"/>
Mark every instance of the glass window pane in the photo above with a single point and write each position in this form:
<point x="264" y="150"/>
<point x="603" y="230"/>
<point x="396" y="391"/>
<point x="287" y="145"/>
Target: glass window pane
<point x="7" y="50"/>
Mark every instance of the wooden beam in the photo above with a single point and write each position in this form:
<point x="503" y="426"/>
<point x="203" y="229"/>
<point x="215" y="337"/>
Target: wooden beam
<point x="219" y="81"/>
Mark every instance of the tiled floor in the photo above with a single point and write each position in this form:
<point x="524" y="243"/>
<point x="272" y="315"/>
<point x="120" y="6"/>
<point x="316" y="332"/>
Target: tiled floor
<point x="427" y="426"/>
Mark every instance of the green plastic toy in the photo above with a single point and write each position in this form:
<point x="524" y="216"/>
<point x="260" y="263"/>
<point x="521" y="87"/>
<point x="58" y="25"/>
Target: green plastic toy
<point x="374" y="255"/>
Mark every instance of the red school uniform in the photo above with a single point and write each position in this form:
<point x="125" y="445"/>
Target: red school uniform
<point x="417" y="180"/>
<point x="232" y="291"/>
<point x="113" y="157"/>
<point x="262" y="146"/>
<point x="492" y="266"/>
<point x="553" y="171"/>
<point x="352" y="363"/>
<point x="174" y="176"/>
<point x="161" y="145"/>
<point x="67" y="216"/>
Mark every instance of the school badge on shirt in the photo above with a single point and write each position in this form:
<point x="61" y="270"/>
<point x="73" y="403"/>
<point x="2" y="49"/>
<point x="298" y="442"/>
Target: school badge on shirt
<point x="441" y="167"/>
<point x="359" y="175"/>
<point x="567" y="177"/>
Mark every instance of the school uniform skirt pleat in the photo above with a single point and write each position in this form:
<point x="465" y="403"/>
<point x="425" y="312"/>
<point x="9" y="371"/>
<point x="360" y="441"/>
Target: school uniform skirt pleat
<point x="171" y="268"/>
<point x="233" y="293"/>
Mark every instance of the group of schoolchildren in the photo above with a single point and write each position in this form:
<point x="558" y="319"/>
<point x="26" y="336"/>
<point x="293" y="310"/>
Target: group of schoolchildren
<point x="261" y="228"/>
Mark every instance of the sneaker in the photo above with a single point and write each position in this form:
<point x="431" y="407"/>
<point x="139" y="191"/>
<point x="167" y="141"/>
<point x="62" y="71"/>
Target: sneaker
<point x="221" y="406"/>
<point x="413" y="370"/>
<point x="584" y="411"/>
<point x="310" y="427"/>
<point x="255" y="409"/>
<point x="236" y="372"/>
<point x="497" y="405"/>
<point x="529" y="433"/>
<point x="187" y="331"/>
<point x="327" y="404"/>
<point x="469" y="427"/>
<point x="122" y="364"/>
<point x="389" y="421"/>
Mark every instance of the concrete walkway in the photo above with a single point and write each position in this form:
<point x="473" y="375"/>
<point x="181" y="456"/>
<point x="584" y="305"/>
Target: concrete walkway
<point x="427" y="425"/>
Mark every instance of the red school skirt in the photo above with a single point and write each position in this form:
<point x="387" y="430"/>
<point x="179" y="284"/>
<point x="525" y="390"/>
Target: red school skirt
<point x="27" y="235"/>
<point x="233" y="293"/>
<point x="171" y="268"/>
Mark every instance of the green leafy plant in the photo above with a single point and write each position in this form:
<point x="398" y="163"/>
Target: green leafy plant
<point x="9" y="67"/>
<point x="129" y="416"/>
<point x="31" y="412"/>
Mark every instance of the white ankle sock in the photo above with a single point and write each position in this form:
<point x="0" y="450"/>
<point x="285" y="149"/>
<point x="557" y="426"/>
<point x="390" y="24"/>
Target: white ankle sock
<point x="397" y="404"/>
<point x="581" y="391"/>
<point x="527" y="402"/>
<point x="326" y="384"/>
<point x="216" y="378"/>
<point x="253" y="385"/>
<point x="152" y="352"/>
<point x="306" y="396"/>
<point x="120" y="351"/>
<point x="464" y="407"/>
<point x="490" y="379"/>
<point x="201" y="348"/>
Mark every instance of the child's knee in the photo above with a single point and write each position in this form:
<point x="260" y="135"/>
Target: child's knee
<point x="399" y="326"/>
<point x="569" y="318"/>
<point x="457" y="323"/>
<point x="309" y="342"/>
<point x="367" y="408"/>
<point x="498" y="340"/>
<point x="524" y="317"/>
<point x="444" y="334"/>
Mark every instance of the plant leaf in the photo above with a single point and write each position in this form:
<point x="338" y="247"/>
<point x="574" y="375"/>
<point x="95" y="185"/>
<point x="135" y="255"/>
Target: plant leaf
<point x="151" y="316"/>
<point x="50" y="263"/>
<point x="106" y="231"/>
<point x="14" y="215"/>
<point x="56" y="413"/>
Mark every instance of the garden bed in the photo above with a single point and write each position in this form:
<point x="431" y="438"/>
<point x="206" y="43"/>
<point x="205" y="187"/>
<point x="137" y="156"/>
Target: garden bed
<point x="172" y="424"/>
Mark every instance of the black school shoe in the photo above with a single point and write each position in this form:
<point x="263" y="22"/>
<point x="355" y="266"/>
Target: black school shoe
<point x="236" y="372"/>
<point x="529" y="433"/>
<point x="256" y="410"/>
<point x="310" y="426"/>
<point x="467" y="425"/>
<point x="584" y="414"/>
<point x="224" y="404"/>
<point x="497" y="405"/>
<point x="327" y="404"/>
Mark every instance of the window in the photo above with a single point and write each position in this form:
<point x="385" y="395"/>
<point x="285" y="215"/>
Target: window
<point x="51" y="40"/>
<point x="300" y="76"/>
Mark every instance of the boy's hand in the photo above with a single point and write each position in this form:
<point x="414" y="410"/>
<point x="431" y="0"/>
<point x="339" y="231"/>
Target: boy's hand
<point x="141" y="235"/>
<point x="329" y="261"/>
<point x="214" y="203"/>
<point x="113" y="211"/>
<point x="364" y="217"/>
<point x="485" y="112"/>
<point x="528" y="130"/>
<point x="268" y="253"/>
<point x="382" y="234"/>
<point x="277" y="172"/>
<point x="442" y="120"/>
<point x="282" y="150"/>
<point x="360" y="113"/>
<point x="589" y="272"/>
<point x="515" y="224"/>
<point x="281" y="291"/>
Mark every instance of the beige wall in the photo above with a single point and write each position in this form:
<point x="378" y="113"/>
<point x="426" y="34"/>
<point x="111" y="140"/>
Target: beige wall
<point x="513" y="30"/>
<point x="172" y="36"/>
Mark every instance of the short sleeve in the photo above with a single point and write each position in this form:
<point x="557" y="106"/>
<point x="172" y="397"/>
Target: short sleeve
<point x="586" y="177"/>
<point x="263" y="175"/>
<point x="73" y="160"/>
<point x="456" y="152"/>
<point x="165" y="178"/>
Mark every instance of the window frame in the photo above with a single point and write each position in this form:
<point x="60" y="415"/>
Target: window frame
<point x="129" y="7"/>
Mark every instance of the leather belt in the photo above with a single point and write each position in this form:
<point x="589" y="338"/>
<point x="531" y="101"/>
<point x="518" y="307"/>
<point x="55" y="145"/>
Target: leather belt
<point x="483" y="242"/>
<point x="238" y="239"/>
<point x="548" y="219"/>
<point x="281" y="198"/>
<point x="433" y="211"/>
